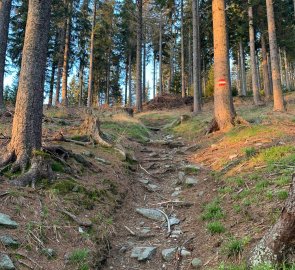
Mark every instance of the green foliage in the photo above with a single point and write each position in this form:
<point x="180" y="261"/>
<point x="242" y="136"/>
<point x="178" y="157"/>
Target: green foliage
<point x="282" y="195"/>
<point x="190" y="129"/>
<point x="57" y="167"/>
<point x="80" y="257"/>
<point x="249" y="151"/>
<point x="212" y="211"/>
<point x="215" y="227"/>
<point x="209" y="90"/>
<point x="234" y="246"/>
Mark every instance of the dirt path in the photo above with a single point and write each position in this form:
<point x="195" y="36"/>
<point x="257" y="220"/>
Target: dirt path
<point x="162" y="176"/>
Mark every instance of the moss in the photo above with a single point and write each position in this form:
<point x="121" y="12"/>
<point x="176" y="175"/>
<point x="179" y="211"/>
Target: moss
<point x="57" y="167"/>
<point x="67" y="186"/>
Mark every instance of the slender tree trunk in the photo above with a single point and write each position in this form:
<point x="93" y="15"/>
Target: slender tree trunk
<point x="130" y="80"/>
<point x="265" y="68"/>
<point x="126" y="80"/>
<point x="196" y="57"/>
<point x="50" y="99"/>
<point x="183" y="92"/>
<point x="190" y="62"/>
<point x="243" y="81"/>
<point x="160" y="57"/>
<point x="139" y="58"/>
<point x="90" y="81"/>
<point x="154" y="76"/>
<point x="5" y="8"/>
<point x="81" y="82"/>
<point x="269" y="74"/>
<point x="275" y="69"/>
<point x="27" y="121"/>
<point x="286" y="71"/>
<point x="108" y="79"/>
<point x="254" y="74"/>
<point x="224" y="114"/>
<point x="64" y="91"/>
<point x="144" y="70"/>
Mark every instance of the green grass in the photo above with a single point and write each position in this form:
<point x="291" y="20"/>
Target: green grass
<point x="189" y="129"/>
<point x="261" y="185"/>
<point x="213" y="211"/>
<point x="135" y="131"/>
<point x="249" y="151"/>
<point x="157" y="119"/>
<point x="282" y="195"/>
<point x="57" y="167"/>
<point x="283" y="181"/>
<point x="80" y="257"/>
<point x="234" y="246"/>
<point x="215" y="227"/>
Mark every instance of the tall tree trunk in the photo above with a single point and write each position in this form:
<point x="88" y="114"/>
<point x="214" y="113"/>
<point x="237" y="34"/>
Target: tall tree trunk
<point x="275" y="69"/>
<point x="130" y="80"/>
<point x="154" y="76"/>
<point x="160" y="57"/>
<point x="224" y="114"/>
<point x="81" y="82"/>
<point x="286" y="71"/>
<point x="144" y="70"/>
<point x="27" y="122"/>
<point x="269" y="74"/>
<point x="50" y="99"/>
<point x="273" y="247"/>
<point x="196" y="57"/>
<point x="265" y="68"/>
<point x="126" y="80"/>
<point x="108" y="79"/>
<point x="183" y="93"/>
<point x="243" y="81"/>
<point x="90" y="81"/>
<point x="139" y="58"/>
<point x="190" y="58"/>
<point x="254" y="74"/>
<point x="64" y="91"/>
<point x="5" y="8"/>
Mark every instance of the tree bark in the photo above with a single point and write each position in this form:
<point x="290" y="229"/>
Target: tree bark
<point x="266" y="83"/>
<point x="27" y="122"/>
<point x="243" y="82"/>
<point x="81" y="82"/>
<point x="139" y="58"/>
<point x="130" y="80"/>
<point x="269" y="74"/>
<point x="144" y="70"/>
<point x="183" y="93"/>
<point x="254" y="74"/>
<point x="224" y="114"/>
<point x="160" y="57"/>
<point x="196" y="57"/>
<point x="64" y="91"/>
<point x="154" y="76"/>
<point x="275" y="69"/>
<point x="286" y="71"/>
<point x="5" y="8"/>
<point x="126" y="80"/>
<point x="50" y="98"/>
<point x="90" y="81"/>
<point x="273" y="247"/>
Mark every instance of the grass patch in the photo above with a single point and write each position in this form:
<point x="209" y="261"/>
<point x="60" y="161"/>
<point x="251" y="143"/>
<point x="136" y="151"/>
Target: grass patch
<point x="57" y="166"/>
<point x="234" y="246"/>
<point x="283" y="181"/>
<point x="80" y="258"/>
<point x="189" y="129"/>
<point x="212" y="211"/>
<point x="249" y="151"/>
<point x="215" y="227"/>
<point x="282" y="195"/>
<point x="157" y="119"/>
<point x="261" y="185"/>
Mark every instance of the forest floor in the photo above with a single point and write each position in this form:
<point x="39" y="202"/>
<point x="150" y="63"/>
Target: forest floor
<point x="223" y="189"/>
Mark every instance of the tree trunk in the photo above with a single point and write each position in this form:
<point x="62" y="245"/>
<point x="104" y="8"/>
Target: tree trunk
<point x="160" y="57"/>
<point x="27" y="122"/>
<point x="5" y="8"/>
<point x="196" y="57"/>
<point x="286" y="71"/>
<point x="139" y="58"/>
<point x="265" y="69"/>
<point x="154" y="76"/>
<point x="254" y="74"/>
<point x="50" y="99"/>
<point x="224" y="114"/>
<point x="243" y="81"/>
<point x="64" y="91"/>
<point x="275" y="69"/>
<point x="126" y="80"/>
<point x="273" y="247"/>
<point x="190" y="64"/>
<point x="107" y="101"/>
<point x="182" y="54"/>
<point x="130" y="80"/>
<point x="269" y="74"/>
<point x="90" y="81"/>
<point x="81" y="82"/>
<point x="144" y="70"/>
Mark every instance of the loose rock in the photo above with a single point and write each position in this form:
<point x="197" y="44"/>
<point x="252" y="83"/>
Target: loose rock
<point x="7" y="222"/>
<point x="5" y="262"/>
<point x="191" y="181"/>
<point x="143" y="253"/>
<point x="168" y="254"/>
<point x="9" y="241"/>
<point x="150" y="213"/>
<point x="196" y="263"/>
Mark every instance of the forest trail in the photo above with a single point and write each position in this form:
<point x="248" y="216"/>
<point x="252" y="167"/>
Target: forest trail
<point x="164" y="175"/>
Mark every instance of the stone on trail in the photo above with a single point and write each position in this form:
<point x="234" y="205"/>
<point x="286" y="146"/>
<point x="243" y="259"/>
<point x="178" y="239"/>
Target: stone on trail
<point x="7" y="222"/>
<point x="151" y="214"/>
<point x="152" y="187"/>
<point x="9" y="241"/>
<point x="169" y="254"/>
<point x="49" y="252"/>
<point x="191" y="181"/>
<point x="196" y="263"/>
<point x="5" y="262"/>
<point x="143" y="253"/>
<point x="185" y="253"/>
<point x="174" y="221"/>
<point x="176" y="193"/>
<point x="144" y="181"/>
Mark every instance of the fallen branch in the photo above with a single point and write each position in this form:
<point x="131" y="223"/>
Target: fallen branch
<point x="179" y="203"/>
<point x="147" y="172"/>
<point x="167" y="219"/>
<point x="130" y="231"/>
<point x="81" y="222"/>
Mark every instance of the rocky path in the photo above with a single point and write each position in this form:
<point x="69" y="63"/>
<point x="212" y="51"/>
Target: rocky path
<point x="144" y="239"/>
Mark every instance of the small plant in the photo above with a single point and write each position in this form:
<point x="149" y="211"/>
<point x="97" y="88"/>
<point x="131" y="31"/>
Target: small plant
<point x="237" y="208"/>
<point x="57" y="167"/>
<point x="80" y="257"/>
<point x="282" y="195"/>
<point x="235" y="246"/>
<point x="261" y="185"/>
<point x="283" y="181"/>
<point x="249" y="151"/>
<point x="215" y="227"/>
<point x="212" y="211"/>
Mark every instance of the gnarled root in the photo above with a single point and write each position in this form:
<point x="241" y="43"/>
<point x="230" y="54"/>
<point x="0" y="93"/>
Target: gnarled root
<point x="40" y="168"/>
<point x="6" y="159"/>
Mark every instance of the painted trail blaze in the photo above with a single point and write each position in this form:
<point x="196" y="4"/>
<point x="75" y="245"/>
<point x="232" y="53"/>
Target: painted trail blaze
<point x="221" y="82"/>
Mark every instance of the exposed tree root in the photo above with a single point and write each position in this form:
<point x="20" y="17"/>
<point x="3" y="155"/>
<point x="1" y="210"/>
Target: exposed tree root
<point x="40" y="168"/>
<point x="59" y="137"/>
<point x="213" y="126"/>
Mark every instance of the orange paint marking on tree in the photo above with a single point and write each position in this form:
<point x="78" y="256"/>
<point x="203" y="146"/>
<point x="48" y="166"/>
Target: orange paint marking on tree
<point x="221" y="82"/>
